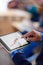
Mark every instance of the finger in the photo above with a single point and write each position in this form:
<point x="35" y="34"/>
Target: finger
<point x="31" y="39"/>
<point x="27" y="35"/>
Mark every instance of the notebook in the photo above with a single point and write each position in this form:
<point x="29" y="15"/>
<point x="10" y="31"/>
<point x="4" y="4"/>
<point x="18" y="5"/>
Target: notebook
<point x="13" y="41"/>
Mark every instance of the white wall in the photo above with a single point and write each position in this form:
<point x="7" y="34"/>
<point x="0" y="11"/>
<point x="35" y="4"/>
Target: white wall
<point x="3" y="5"/>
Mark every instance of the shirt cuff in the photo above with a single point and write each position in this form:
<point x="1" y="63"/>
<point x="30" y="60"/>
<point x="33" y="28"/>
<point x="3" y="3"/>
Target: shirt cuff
<point x="14" y="52"/>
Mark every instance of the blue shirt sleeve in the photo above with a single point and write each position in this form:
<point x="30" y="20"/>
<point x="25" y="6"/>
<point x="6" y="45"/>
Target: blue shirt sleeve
<point x="42" y="36"/>
<point x="14" y="52"/>
<point x="19" y="58"/>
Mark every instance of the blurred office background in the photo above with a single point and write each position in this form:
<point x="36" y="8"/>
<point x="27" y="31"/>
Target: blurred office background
<point x="22" y="16"/>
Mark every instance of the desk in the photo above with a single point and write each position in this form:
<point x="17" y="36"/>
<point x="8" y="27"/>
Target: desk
<point x="11" y="16"/>
<point x="17" y="25"/>
<point x="25" y="25"/>
<point x="5" y="28"/>
<point x="34" y="25"/>
<point x="15" y="13"/>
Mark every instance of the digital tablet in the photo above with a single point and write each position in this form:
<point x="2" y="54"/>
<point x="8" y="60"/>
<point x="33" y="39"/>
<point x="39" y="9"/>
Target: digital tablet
<point x="13" y="41"/>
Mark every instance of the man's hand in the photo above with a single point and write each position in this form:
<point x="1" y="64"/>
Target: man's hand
<point x="33" y="36"/>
